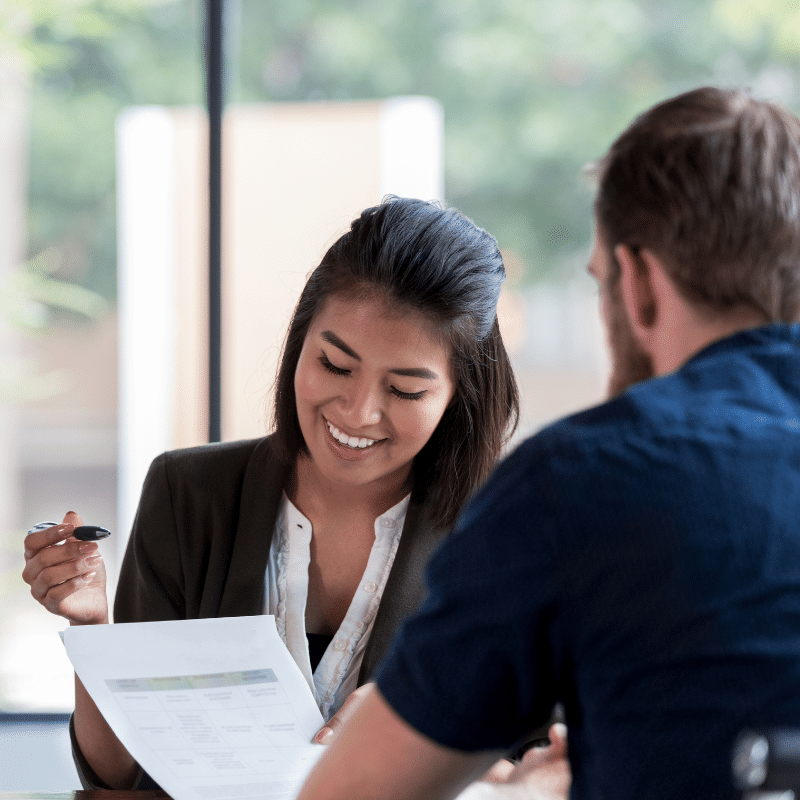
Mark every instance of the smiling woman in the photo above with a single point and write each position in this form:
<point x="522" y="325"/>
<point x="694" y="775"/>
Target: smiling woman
<point x="407" y="261"/>
<point x="394" y="397"/>
<point x="369" y="397"/>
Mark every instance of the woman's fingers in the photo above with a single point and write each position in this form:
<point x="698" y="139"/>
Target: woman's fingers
<point x="55" y="563"/>
<point x="47" y="557"/>
<point x="66" y="576"/>
<point x="39" y="539"/>
<point x="50" y="577"/>
<point x="46" y="547"/>
<point x="70" y="550"/>
<point x="334" y="724"/>
<point x="72" y="517"/>
<point x="56" y="596"/>
<point x="81" y="600"/>
<point x="75" y="589"/>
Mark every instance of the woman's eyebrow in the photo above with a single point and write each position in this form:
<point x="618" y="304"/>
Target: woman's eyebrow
<point x="411" y="372"/>
<point x="330" y="336"/>
<point x="416" y="372"/>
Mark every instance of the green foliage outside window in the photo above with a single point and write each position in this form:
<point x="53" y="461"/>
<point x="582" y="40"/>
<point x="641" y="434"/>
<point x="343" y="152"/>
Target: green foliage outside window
<point x="531" y="89"/>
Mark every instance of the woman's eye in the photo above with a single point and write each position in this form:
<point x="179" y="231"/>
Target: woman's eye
<point x="332" y="367"/>
<point x="406" y="395"/>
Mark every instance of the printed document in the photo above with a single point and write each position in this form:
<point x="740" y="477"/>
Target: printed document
<point x="212" y="709"/>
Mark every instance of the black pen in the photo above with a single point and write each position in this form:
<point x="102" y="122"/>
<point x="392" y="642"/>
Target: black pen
<point x="86" y="533"/>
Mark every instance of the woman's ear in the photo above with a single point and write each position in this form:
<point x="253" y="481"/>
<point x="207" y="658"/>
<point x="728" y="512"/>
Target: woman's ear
<point x="638" y="291"/>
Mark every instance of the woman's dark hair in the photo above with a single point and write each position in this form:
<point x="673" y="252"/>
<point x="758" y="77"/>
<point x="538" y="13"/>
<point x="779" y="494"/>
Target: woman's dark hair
<point x="438" y="263"/>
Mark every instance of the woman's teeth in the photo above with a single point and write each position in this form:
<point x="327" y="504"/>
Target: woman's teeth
<point x="349" y="441"/>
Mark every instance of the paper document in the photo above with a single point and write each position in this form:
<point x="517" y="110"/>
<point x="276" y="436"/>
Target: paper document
<point x="211" y="708"/>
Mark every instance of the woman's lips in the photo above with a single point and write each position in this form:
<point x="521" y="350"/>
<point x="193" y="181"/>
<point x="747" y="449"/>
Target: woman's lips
<point x="354" y="442"/>
<point x="346" y="451"/>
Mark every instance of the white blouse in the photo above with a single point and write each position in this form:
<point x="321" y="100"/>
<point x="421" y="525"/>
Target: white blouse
<point x="336" y="676"/>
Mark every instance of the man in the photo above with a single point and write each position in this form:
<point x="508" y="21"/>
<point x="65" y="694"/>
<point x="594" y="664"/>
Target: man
<point x="640" y="561"/>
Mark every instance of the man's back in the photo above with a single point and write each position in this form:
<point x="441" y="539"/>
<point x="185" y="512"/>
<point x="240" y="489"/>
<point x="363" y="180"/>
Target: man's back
<point x="639" y="562"/>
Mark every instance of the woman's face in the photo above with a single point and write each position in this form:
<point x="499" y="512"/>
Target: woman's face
<point x="372" y="383"/>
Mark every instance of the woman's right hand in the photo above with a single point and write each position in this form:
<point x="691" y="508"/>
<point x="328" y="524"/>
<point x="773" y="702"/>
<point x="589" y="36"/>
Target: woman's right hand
<point x="67" y="576"/>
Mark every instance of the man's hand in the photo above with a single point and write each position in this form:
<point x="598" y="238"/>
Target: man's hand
<point x="377" y="754"/>
<point x="547" y="768"/>
<point x="543" y="774"/>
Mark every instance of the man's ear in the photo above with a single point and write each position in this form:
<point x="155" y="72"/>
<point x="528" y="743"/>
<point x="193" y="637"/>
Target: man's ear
<point x="638" y="290"/>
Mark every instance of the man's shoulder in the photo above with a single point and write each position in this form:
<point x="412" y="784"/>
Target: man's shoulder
<point x="608" y="424"/>
<point x="731" y="392"/>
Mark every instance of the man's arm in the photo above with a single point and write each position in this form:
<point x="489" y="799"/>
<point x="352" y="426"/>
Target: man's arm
<point x="377" y="754"/>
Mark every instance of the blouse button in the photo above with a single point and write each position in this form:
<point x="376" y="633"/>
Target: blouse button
<point x="386" y="522"/>
<point x="370" y="587"/>
<point x="359" y="626"/>
<point x="339" y="645"/>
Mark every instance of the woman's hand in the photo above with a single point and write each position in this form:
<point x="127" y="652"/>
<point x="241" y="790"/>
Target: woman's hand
<point x="67" y="576"/>
<point x="334" y="724"/>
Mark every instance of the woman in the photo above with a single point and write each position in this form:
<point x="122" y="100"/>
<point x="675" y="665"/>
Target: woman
<point x="393" y="399"/>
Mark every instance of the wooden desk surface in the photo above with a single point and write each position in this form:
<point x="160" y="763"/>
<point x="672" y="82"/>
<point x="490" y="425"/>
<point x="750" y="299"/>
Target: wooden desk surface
<point x="83" y="794"/>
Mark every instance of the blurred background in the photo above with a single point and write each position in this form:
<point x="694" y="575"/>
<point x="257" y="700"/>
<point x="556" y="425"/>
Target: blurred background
<point x="102" y="237"/>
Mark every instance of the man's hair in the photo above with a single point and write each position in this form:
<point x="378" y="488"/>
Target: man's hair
<point x="710" y="182"/>
<point x="419" y="257"/>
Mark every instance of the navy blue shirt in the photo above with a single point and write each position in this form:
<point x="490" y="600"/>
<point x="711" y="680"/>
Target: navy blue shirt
<point x="640" y="562"/>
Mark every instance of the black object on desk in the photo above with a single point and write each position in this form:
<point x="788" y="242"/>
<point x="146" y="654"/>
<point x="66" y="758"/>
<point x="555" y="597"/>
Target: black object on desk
<point x="766" y="763"/>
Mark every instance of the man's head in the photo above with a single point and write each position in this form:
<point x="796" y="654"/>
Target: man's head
<point x="708" y="183"/>
<point x="630" y="361"/>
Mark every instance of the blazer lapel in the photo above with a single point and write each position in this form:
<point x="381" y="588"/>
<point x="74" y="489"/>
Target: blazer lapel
<point x="262" y="488"/>
<point x="405" y="587"/>
<point x="243" y="594"/>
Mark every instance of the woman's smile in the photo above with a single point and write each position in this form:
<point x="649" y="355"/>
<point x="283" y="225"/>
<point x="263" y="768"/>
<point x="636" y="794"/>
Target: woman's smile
<point x="351" y="442"/>
<point x="350" y="448"/>
<point x="372" y="382"/>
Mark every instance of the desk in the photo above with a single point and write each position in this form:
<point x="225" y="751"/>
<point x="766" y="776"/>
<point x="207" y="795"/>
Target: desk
<point x="83" y="794"/>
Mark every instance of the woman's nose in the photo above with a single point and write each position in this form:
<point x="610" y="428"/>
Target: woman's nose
<point x="362" y="405"/>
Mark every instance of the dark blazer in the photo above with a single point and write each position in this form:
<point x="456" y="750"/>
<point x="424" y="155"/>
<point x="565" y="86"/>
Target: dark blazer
<point x="201" y="539"/>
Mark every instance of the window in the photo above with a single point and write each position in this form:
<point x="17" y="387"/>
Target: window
<point x="530" y="90"/>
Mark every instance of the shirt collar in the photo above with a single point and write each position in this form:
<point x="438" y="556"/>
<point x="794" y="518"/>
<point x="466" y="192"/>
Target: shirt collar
<point x="775" y="333"/>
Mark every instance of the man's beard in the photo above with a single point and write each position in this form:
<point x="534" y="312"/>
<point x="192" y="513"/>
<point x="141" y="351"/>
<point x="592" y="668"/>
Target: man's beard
<point x="630" y="364"/>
